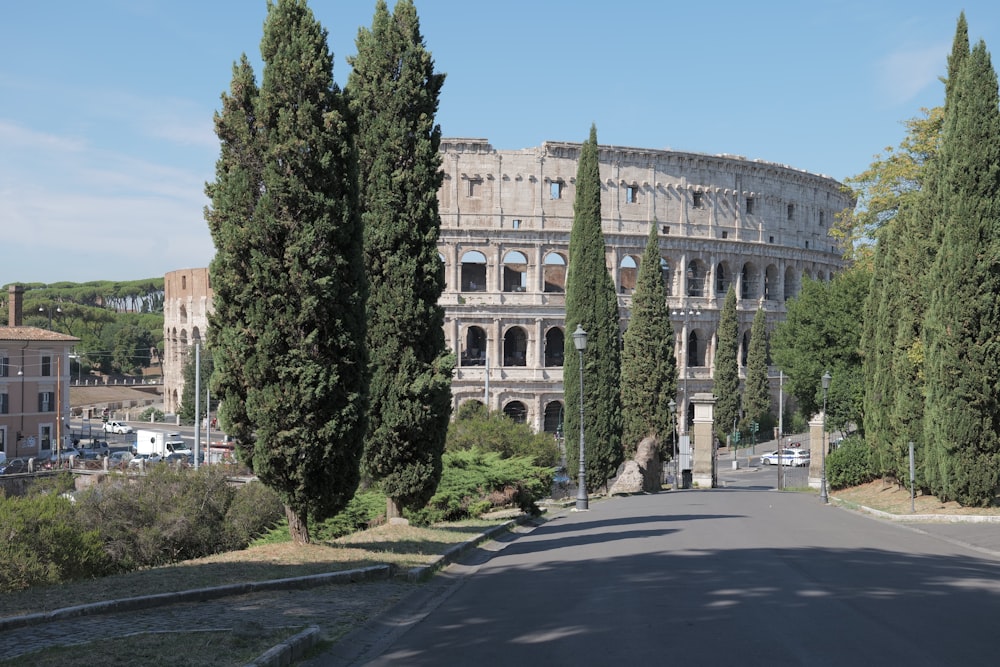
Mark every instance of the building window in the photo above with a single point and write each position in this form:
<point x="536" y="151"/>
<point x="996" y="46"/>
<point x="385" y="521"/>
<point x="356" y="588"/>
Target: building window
<point x="631" y="194"/>
<point x="770" y="239"/>
<point x="46" y="401"/>
<point x="184" y="282"/>
<point x="4" y="367"/>
<point x="822" y="219"/>
<point x="555" y="189"/>
<point x="749" y="205"/>
<point x="475" y="187"/>
<point x="4" y="404"/>
<point x="791" y="211"/>
<point x="807" y="245"/>
<point x="46" y="439"/>
<point x="46" y="365"/>
<point x="698" y="199"/>
<point x="515" y="223"/>
<point x="725" y="234"/>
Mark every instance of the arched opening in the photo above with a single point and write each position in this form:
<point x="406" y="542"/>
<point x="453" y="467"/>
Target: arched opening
<point x="553" y="419"/>
<point x="554" y="272"/>
<point x="517" y="412"/>
<point x="515" y="272"/>
<point x="695" y="350"/>
<point x="667" y="275"/>
<point x="723" y="279"/>
<point x="555" y="343"/>
<point x="474" y="350"/>
<point x="184" y="314"/>
<point x="744" y="348"/>
<point x="771" y="283"/>
<point x="695" y="278"/>
<point x="791" y="284"/>
<point x="748" y="282"/>
<point x="515" y="347"/>
<point x="628" y="271"/>
<point x="473" y="271"/>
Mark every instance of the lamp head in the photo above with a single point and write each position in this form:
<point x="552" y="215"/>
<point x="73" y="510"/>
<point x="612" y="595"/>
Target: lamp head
<point x="580" y="338"/>
<point x="826" y="380"/>
<point x="672" y="405"/>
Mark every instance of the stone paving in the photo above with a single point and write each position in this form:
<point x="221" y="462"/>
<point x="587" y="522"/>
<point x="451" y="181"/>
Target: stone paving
<point x="335" y="608"/>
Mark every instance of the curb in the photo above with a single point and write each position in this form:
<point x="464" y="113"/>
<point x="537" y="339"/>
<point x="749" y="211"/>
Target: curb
<point x="288" y="651"/>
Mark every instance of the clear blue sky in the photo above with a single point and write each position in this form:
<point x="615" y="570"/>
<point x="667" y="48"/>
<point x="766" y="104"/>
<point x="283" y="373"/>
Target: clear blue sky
<point x="106" y="106"/>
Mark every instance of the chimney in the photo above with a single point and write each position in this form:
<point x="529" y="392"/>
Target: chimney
<point x="15" y="294"/>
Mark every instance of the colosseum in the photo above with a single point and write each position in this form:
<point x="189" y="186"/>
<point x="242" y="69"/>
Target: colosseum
<point x="506" y="217"/>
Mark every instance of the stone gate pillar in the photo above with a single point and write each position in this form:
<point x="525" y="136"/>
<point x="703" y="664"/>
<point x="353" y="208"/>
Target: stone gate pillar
<point x="816" y="444"/>
<point x="704" y="473"/>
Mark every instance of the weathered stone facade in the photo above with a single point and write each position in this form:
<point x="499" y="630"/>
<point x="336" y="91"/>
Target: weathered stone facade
<point x="506" y="220"/>
<point x="187" y="298"/>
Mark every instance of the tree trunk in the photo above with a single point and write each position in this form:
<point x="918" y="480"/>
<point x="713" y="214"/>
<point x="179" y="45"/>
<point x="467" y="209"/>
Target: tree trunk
<point x="298" y="526"/>
<point x="392" y="509"/>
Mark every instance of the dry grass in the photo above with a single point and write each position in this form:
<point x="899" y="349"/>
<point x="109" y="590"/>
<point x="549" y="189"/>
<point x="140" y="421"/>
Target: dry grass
<point x="400" y="545"/>
<point x="888" y="496"/>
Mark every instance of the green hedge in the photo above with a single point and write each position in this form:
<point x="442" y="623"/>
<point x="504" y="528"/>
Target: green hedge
<point x="850" y="464"/>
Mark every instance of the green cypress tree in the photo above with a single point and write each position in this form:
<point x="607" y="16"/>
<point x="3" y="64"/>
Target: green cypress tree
<point x="394" y="91"/>
<point x="962" y="417"/>
<point x="649" y="368"/>
<point x="757" y="394"/>
<point x="726" y="383"/>
<point x="591" y="303"/>
<point x="289" y="325"/>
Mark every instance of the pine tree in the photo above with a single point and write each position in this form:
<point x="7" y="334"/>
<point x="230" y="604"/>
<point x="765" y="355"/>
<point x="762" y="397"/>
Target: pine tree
<point x="592" y="304"/>
<point x="727" y="372"/>
<point x="394" y="93"/>
<point x="962" y="417"/>
<point x="649" y="368"/>
<point x="289" y="324"/>
<point x="757" y="394"/>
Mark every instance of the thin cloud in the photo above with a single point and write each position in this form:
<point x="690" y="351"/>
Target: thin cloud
<point x="903" y="75"/>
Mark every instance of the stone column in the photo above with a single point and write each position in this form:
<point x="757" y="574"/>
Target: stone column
<point x="816" y="442"/>
<point x="703" y="445"/>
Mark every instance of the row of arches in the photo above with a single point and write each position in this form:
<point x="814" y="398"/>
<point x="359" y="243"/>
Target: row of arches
<point x="698" y="279"/>
<point x="552" y="416"/>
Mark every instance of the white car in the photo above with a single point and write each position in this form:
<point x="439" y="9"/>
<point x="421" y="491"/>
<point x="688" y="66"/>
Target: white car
<point x="789" y="457"/>
<point x="144" y="459"/>
<point x="117" y="427"/>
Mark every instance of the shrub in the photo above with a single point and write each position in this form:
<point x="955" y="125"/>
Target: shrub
<point x="151" y="414"/>
<point x="850" y="464"/>
<point x="366" y="509"/>
<point x="255" y="509"/>
<point x="45" y="544"/>
<point x="474" y="427"/>
<point x="474" y="481"/>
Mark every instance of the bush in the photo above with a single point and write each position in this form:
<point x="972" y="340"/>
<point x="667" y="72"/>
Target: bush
<point x="475" y="481"/>
<point x="150" y="414"/>
<point x="474" y="427"/>
<point x="366" y="509"/>
<point x="44" y="543"/>
<point x="850" y="464"/>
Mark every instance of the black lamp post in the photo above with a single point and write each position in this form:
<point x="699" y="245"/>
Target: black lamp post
<point x="673" y="441"/>
<point x="48" y="311"/>
<point x="822" y="482"/>
<point x="580" y="342"/>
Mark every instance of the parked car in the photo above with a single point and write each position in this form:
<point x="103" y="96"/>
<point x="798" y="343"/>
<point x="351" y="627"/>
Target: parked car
<point x="148" y="459"/>
<point x="179" y="459"/>
<point x="120" y="458"/>
<point x="94" y="450"/>
<point x="65" y="454"/>
<point x="117" y="427"/>
<point x="13" y="466"/>
<point x="789" y="457"/>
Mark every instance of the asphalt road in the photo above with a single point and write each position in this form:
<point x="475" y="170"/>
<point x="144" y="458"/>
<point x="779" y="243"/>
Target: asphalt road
<point x="742" y="575"/>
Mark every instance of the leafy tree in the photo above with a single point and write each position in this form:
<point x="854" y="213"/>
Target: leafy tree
<point x="649" y="367"/>
<point x="591" y="303"/>
<point x="962" y="416"/>
<point x="476" y="427"/>
<point x="132" y="349"/>
<point x="757" y="394"/>
<point x="288" y="332"/>
<point x="727" y="373"/>
<point x="394" y="93"/>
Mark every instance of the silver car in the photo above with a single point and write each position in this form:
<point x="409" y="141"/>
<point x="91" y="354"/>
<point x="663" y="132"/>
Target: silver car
<point x="788" y="457"/>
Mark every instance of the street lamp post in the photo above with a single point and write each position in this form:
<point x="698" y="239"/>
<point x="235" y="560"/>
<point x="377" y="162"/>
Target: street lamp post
<point x="822" y="482"/>
<point x="685" y="314"/>
<point x="673" y="441"/>
<point x="580" y="342"/>
<point x="48" y="311"/>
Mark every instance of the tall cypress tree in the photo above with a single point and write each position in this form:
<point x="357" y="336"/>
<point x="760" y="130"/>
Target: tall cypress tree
<point x="962" y="419"/>
<point x="727" y="373"/>
<point x="394" y="90"/>
<point x="289" y="325"/>
<point x="649" y="368"/>
<point x="757" y="394"/>
<point x="591" y="303"/>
